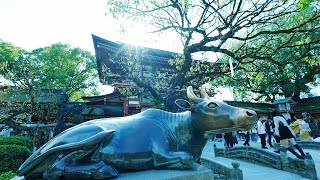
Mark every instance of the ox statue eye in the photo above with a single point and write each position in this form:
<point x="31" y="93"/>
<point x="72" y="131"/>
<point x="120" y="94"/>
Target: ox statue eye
<point x="212" y="105"/>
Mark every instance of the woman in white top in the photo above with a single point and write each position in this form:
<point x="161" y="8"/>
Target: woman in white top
<point x="283" y="130"/>
<point x="262" y="133"/>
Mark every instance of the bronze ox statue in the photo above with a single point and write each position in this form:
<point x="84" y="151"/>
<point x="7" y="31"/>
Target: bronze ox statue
<point x="152" y="139"/>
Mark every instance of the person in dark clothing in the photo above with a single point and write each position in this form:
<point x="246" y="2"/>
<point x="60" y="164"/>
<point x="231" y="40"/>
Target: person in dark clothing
<point x="283" y="130"/>
<point x="247" y="138"/>
<point x="269" y="131"/>
<point x="289" y="121"/>
<point x="228" y="137"/>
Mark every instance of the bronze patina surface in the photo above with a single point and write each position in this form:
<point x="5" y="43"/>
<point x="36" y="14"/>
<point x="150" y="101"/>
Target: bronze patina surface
<point x="152" y="139"/>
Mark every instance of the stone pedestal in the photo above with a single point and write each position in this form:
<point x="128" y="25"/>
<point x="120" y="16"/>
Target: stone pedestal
<point x="198" y="172"/>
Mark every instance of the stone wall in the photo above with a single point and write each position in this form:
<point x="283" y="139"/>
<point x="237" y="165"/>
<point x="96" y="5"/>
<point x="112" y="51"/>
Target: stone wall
<point x="222" y="171"/>
<point x="309" y="144"/>
<point x="305" y="168"/>
<point x="251" y="154"/>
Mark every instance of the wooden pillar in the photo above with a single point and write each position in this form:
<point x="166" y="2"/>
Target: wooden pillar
<point x="126" y="106"/>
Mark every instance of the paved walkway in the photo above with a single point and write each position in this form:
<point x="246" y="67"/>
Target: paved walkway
<point x="253" y="171"/>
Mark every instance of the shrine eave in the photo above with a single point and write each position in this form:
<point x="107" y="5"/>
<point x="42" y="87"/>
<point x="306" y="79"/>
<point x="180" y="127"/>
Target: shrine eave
<point x="258" y="107"/>
<point x="152" y="57"/>
<point x="114" y="94"/>
<point x="117" y="46"/>
<point x="109" y="55"/>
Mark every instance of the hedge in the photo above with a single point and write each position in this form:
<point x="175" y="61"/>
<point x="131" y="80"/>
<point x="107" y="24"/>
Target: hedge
<point x="17" y="140"/>
<point x="7" y="175"/>
<point x="12" y="157"/>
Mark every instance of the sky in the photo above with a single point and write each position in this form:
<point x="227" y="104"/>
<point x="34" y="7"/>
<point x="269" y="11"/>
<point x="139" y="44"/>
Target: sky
<point x="36" y="23"/>
<point x="31" y="24"/>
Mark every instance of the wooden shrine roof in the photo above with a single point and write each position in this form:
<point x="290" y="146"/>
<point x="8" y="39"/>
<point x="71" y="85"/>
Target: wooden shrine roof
<point x="108" y="55"/>
<point x="311" y="105"/>
<point x="258" y="107"/>
<point x="10" y="94"/>
<point x="114" y="95"/>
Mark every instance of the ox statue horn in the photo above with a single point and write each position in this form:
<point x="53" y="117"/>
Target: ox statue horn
<point x="204" y="94"/>
<point x="192" y="96"/>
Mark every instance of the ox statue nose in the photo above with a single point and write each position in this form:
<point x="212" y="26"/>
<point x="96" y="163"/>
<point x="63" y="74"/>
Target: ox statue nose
<point x="246" y="119"/>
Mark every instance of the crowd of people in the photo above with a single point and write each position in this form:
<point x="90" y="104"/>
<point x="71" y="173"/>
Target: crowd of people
<point x="274" y="129"/>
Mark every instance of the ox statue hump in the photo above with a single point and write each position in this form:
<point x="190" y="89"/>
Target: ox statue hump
<point x="152" y="139"/>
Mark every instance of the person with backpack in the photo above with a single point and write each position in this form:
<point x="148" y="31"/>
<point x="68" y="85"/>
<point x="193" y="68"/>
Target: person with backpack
<point x="286" y="134"/>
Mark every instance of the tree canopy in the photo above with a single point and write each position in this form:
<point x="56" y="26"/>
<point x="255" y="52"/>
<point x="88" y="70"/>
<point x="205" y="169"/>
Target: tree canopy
<point x="293" y="63"/>
<point x="54" y="67"/>
<point x="243" y="32"/>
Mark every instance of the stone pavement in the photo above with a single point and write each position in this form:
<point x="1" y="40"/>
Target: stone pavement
<point x="255" y="171"/>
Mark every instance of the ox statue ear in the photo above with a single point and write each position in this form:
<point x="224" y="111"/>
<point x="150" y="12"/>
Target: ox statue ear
<point x="183" y="104"/>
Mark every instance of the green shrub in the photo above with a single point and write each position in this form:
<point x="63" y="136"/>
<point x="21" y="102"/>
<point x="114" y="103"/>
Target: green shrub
<point x="7" y="175"/>
<point x="18" y="140"/>
<point x="12" y="157"/>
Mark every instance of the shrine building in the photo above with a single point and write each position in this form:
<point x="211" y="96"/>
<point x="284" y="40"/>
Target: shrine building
<point x="110" y="55"/>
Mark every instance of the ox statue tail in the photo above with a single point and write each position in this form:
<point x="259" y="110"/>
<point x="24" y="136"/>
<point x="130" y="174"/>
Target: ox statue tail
<point x="50" y="155"/>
